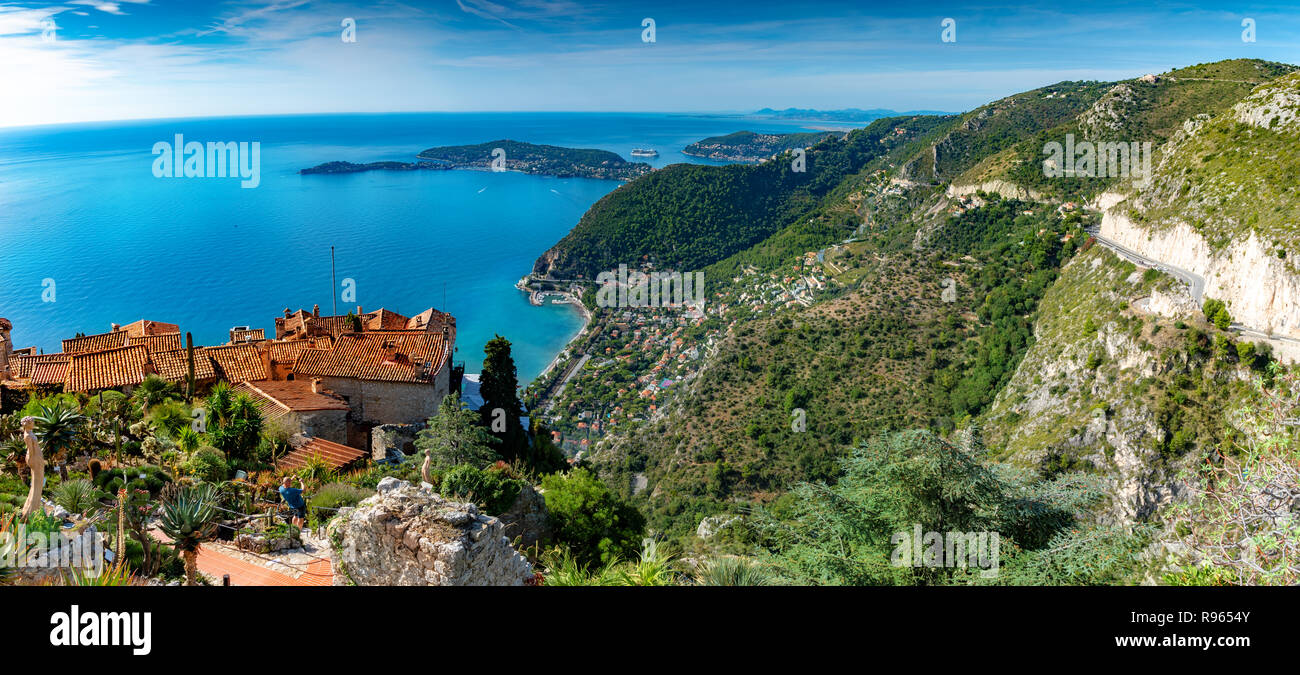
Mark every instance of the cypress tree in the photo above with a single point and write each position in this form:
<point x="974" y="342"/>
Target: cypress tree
<point x="499" y="387"/>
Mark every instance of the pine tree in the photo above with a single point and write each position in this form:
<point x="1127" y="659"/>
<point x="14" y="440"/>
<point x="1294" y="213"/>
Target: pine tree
<point x="499" y="387"/>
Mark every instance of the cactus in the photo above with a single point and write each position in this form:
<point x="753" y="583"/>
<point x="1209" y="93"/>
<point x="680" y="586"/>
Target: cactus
<point x="120" y="553"/>
<point x="189" y="358"/>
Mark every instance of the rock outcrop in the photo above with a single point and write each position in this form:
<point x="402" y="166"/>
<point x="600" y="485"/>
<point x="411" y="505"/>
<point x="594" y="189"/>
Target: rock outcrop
<point x="406" y="535"/>
<point x="527" y="519"/>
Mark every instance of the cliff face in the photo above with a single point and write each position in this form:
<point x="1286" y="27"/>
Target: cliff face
<point x="1072" y="403"/>
<point x="1260" y="289"/>
<point x="1224" y="203"/>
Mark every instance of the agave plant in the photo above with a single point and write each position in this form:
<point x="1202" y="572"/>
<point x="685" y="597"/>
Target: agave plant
<point x="563" y="569"/>
<point x="77" y="496"/>
<point x="732" y="571"/>
<point x="189" y="518"/>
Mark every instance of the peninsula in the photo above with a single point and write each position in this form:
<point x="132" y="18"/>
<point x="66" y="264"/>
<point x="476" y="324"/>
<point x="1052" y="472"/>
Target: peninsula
<point x="506" y="155"/>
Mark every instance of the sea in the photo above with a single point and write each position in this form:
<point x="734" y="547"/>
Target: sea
<point x="90" y="237"/>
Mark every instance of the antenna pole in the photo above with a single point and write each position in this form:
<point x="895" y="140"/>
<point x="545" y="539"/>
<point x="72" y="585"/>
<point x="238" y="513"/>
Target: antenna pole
<point x="334" y="288"/>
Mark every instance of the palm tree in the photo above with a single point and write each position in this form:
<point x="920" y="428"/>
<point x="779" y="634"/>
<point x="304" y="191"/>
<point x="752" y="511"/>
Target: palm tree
<point x="219" y="402"/>
<point x="57" y="428"/>
<point x="152" y="391"/>
<point x="189" y="518"/>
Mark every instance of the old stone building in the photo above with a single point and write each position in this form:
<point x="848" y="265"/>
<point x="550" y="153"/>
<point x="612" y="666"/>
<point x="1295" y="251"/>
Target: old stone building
<point x="386" y="376"/>
<point x="300" y="407"/>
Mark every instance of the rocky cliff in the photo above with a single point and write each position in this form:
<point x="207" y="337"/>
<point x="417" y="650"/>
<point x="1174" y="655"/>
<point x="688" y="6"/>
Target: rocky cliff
<point x="405" y="535"/>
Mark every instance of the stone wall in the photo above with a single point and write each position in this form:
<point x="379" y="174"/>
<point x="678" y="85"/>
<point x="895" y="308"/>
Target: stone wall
<point x="406" y="535"/>
<point x="376" y="402"/>
<point x="393" y="441"/>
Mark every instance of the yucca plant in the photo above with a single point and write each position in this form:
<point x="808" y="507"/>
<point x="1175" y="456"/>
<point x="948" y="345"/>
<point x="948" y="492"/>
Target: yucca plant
<point x="109" y="575"/>
<point x="57" y="427"/>
<point x="152" y="391"/>
<point x="189" y="518"/>
<point x="732" y="571"/>
<point x="77" y="496"/>
<point x="653" y="567"/>
<point x="563" y="569"/>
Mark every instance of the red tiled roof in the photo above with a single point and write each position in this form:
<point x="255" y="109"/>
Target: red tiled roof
<point x="291" y="395"/>
<point x="250" y="335"/>
<point x="287" y="351"/>
<point x="333" y="454"/>
<point x="95" y="343"/>
<point x="383" y="319"/>
<point x="145" y="327"/>
<point x="238" y="363"/>
<point x="24" y="365"/>
<point x="49" y="372"/>
<point x="160" y="342"/>
<point x="389" y="356"/>
<point x="173" y="365"/>
<point x="110" y="368"/>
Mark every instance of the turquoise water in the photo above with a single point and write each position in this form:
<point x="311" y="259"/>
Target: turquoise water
<point x="79" y="205"/>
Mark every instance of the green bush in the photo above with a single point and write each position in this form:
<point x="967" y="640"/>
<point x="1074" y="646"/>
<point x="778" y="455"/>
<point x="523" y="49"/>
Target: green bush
<point x="325" y="502"/>
<point x="591" y="520"/>
<point x="155" y="478"/>
<point x="208" y="464"/>
<point x="77" y="496"/>
<point x="491" y="489"/>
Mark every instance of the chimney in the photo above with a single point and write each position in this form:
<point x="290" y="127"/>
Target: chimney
<point x="359" y="310"/>
<point x="315" y="385"/>
<point x="286" y="312"/>
<point x="116" y="327"/>
<point x="315" y="311"/>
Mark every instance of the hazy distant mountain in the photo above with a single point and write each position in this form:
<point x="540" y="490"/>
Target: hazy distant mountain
<point x="845" y="115"/>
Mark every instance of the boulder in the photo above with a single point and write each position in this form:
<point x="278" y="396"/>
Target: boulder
<point x="406" y="535"/>
<point x="527" y="518"/>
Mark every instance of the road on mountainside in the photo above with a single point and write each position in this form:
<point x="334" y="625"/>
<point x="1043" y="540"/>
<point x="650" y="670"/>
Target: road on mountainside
<point x="1196" y="281"/>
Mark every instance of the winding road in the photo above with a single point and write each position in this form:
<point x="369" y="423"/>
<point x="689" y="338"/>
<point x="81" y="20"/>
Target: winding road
<point x="1195" y="281"/>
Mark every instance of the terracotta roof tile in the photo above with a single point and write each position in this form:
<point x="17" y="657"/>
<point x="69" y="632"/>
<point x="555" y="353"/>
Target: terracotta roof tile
<point x="121" y="367"/>
<point x="333" y="454"/>
<point x="145" y="327"/>
<point x="250" y="335"/>
<point x="389" y="356"/>
<point x="49" y="372"/>
<point x="173" y="365"/>
<point x="383" y="319"/>
<point x="162" y="342"/>
<point x="24" y="365"/>
<point x="95" y="343"/>
<point x="286" y="351"/>
<point x="276" y="397"/>
<point x="238" y="363"/>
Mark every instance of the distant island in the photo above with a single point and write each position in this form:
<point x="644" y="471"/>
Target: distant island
<point x="747" y="146"/>
<point x="844" y="115"/>
<point x="541" y="160"/>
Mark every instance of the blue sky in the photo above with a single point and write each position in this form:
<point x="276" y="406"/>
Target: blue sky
<point x="159" y="58"/>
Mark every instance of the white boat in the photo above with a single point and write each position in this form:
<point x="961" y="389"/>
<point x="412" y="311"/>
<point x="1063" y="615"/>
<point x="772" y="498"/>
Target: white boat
<point x="642" y="152"/>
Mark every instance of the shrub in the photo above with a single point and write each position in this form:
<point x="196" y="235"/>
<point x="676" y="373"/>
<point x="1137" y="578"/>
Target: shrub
<point x="489" y="488"/>
<point x="155" y="479"/>
<point x="207" y="463"/>
<point x="329" y="498"/>
<point x="590" y="519"/>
